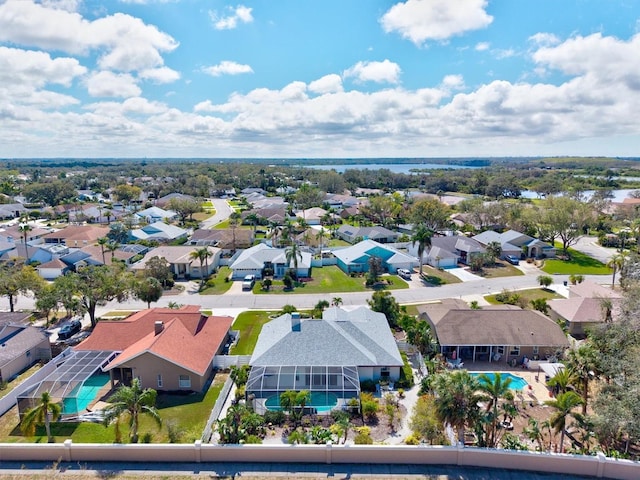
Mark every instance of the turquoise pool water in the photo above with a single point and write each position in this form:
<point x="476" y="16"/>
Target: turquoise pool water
<point x="517" y="383"/>
<point x="321" y="401"/>
<point x="81" y="396"/>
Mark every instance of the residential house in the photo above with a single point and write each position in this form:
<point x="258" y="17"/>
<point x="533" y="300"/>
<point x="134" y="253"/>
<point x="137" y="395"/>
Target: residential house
<point x="261" y="257"/>
<point x="90" y="213"/>
<point x="52" y="269"/>
<point x="22" y="346"/>
<point x="328" y="357"/>
<point x="182" y="264"/>
<point x="312" y="216"/>
<point x="164" y="201"/>
<point x="77" y="236"/>
<point x="156" y="214"/>
<point x="26" y="252"/>
<point x="589" y="304"/>
<point x="448" y="251"/>
<point x="166" y="349"/>
<point x="490" y="236"/>
<point x="518" y="244"/>
<point x="352" y="234"/>
<point x="273" y="215"/>
<point x="12" y="210"/>
<point x="227" y="239"/>
<point x="356" y="257"/>
<point x="339" y="202"/>
<point x="502" y="333"/>
<point x="159" y="231"/>
<point x="34" y="234"/>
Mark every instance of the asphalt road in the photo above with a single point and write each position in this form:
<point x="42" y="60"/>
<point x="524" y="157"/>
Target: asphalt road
<point x="223" y="211"/>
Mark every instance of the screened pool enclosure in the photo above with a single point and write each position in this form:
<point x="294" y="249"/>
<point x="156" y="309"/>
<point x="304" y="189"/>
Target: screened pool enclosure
<point x="330" y="387"/>
<point x="74" y="384"/>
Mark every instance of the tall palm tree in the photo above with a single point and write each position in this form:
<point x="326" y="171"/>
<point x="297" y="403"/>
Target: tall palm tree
<point x="563" y="405"/>
<point x="562" y="380"/>
<point x="253" y="218"/>
<point x="496" y="389"/>
<point x="43" y="413"/>
<point x="234" y="219"/>
<point x="112" y="247"/>
<point x="582" y="362"/>
<point x="25" y="228"/>
<point x="132" y="401"/>
<point x="103" y="242"/>
<point x="202" y="254"/>
<point x="458" y="400"/>
<point x="422" y="236"/>
<point x="293" y="254"/>
<point x="615" y="263"/>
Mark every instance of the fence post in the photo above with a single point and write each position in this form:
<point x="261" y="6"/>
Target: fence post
<point x="328" y="453"/>
<point x="602" y="459"/>
<point x="197" y="445"/>
<point x="460" y="455"/>
<point x="68" y="443"/>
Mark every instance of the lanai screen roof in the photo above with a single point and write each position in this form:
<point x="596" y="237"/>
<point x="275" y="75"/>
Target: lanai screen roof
<point x="74" y="371"/>
<point x="334" y="379"/>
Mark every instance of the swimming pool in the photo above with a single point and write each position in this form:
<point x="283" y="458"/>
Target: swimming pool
<point x="82" y="395"/>
<point x="321" y="401"/>
<point x="517" y="383"/>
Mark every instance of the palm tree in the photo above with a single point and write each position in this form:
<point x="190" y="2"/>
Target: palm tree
<point x="337" y="301"/>
<point x="458" y="400"/>
<point x="562" y="380"/>
<point x="25" y="228"/>
<point x="132" y="401"/>
<point x="320" y="238"/>
<point x="253" y="218"/>
<point x="564" y="405"/>
<point x="616" y="262"/>
<point x="103" y="242"/>
<point x="234" y="218"/>
<point x="202" y="254"/>
<point x="495" y="388"/>
<point x="582" y="362"/>
<point x="293" y="254"/>
<point x="112" y="247"/>
<point x="43" y="412"/>
<point x="494" y="249"/>
<point x="422" y="236"/>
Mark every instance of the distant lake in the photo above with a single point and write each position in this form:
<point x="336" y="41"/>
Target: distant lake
<point x="618" y="195"/>
<point x="393" y="167"/>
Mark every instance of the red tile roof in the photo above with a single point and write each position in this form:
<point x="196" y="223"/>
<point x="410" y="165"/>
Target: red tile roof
<point x="188" y="338"/>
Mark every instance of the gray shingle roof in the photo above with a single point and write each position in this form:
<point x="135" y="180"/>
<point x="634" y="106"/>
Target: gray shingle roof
<point x="258" y="255"/>
<point x="17" y="340"/>
<point x="360" y="337"/>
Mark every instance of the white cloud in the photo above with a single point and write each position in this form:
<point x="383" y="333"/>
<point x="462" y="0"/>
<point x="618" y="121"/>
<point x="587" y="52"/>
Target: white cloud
<point x="129" y="44"/>
<point x="379" y="72"/>
<point x="234" y="15"/>
<point x="544" y="39"/>
<point x="67" y="5"/>
<point x="482" y="46"/>
<point x="328" y="84"/>
<point x="422" y="20"/>
<point x="160" y="75"/>
<point x="27" y="67"/>
<point x="109" y="84"/>
<point x="452" y="82"/>
<point x="227" y="68"/>
<point x="501" y="54"/>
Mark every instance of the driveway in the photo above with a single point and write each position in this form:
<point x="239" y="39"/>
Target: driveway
<point x="463" y="274"/>
<point x="223" y="211"/>
<point x="589" y="245"/>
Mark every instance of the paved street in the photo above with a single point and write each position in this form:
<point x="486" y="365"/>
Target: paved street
<point x="223" y="210"/>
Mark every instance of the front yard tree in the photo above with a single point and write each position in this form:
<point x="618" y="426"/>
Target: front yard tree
<point x="494" y="250"/>
<point x="382" y="301"/>
<point x="422" y="236"/>
<point x="185" y="208"/>
<point x="293" y="255"/>
<point x="545" y="281"/>
<point x="47" y="301"/>
<point x="127" y="193"/>
<point x="132" y="402"/>
<point x="43" y="413"/>
<point x="615" y="263"/>
<point x="202" y="255"/>
<point x="566" y="218"/>
<point x="96" y="285"/>
<point x="431" y="213"/>
<point x="159" y="268"/>
<point x="16" y="279"/>
<point x="375" y="270"/>
<point x="148" y="290"/>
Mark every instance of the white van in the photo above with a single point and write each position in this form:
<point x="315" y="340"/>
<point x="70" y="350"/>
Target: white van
<point x="248" y="282"/>
<point x="404" y="273"/>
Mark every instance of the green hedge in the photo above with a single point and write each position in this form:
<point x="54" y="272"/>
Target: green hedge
<point x="406" y="374"/>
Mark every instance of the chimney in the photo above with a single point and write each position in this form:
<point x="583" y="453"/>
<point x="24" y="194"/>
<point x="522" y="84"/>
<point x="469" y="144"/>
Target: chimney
<point x="295" y="322"/>
<point x="158" y="327"/>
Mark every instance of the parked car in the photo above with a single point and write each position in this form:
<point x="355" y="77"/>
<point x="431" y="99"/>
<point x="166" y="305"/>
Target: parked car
<point x="512" y="259"/>
<point x="404" y="273"/>
<point x="248" y="282"/>
<point x="70" y="329"/>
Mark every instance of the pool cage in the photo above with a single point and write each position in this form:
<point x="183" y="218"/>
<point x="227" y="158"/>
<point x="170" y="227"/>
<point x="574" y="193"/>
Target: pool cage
<point x="330" y="387"/>
<point x="65" y="383"/>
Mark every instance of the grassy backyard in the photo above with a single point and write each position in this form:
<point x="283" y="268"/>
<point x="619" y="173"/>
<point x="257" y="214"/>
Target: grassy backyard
<point x="10" y="385"/>
<point x="216" y="285"/>
<point x="579" y="264"/>
<point x="330" y="280"/>
<point x="188" y="414"/>
<point x="249" y="324"/>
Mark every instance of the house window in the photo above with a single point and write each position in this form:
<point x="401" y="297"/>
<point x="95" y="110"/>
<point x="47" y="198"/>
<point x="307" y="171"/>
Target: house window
<point x="185" y="381"/>
<point x="384" y="372"/>
<point x="500" y="350"/>
<point x="515" y="351"/>
<point x="159" y="380"/>
<point x="536" y="350"/>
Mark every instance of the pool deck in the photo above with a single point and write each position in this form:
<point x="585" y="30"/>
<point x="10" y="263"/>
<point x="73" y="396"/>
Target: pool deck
<point x="538" y="392"/>
<point x="98" y="403"/>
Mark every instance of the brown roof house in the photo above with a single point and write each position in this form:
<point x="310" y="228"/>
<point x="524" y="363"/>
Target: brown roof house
<point x="167" y="349"/>
<point x="223" y="238"/>
<point x="77" y="236"/>
<point x="182" y="264"/>
<point x="589" y="304"/>
<point x="496" y="334"/>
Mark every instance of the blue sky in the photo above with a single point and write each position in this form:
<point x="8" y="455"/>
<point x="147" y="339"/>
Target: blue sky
<point x="331" y="78"/>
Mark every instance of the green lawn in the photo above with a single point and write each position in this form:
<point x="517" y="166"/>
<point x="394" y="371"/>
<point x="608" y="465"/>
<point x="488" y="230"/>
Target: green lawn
<point x="249" y="324"/>
<point x="16" y="381"/>
<point x="337" y="242"/>
<point x="118" y="313"/>
<point x="189" y="412"/>
<point x="222" y="224"/>
<point x="527" y="295"/>
<point x="580" y="264"/>
<point x="202" y="216"/>
<point x="500" y="269"/>
<point x="435" y="277"/>
<point x="216" y="284"/>
<point x="331" y="280"/>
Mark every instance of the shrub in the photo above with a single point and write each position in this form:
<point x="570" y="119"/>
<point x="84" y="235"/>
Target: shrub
<point x="274" y="417"/>
<point x="173" y="432"/>
<point x="254" y="439"/>
<point x="363" y="439"/>
<point x="368" y="386"/>
<point x="406" y="374"/>
<point x="412" y="439"/>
